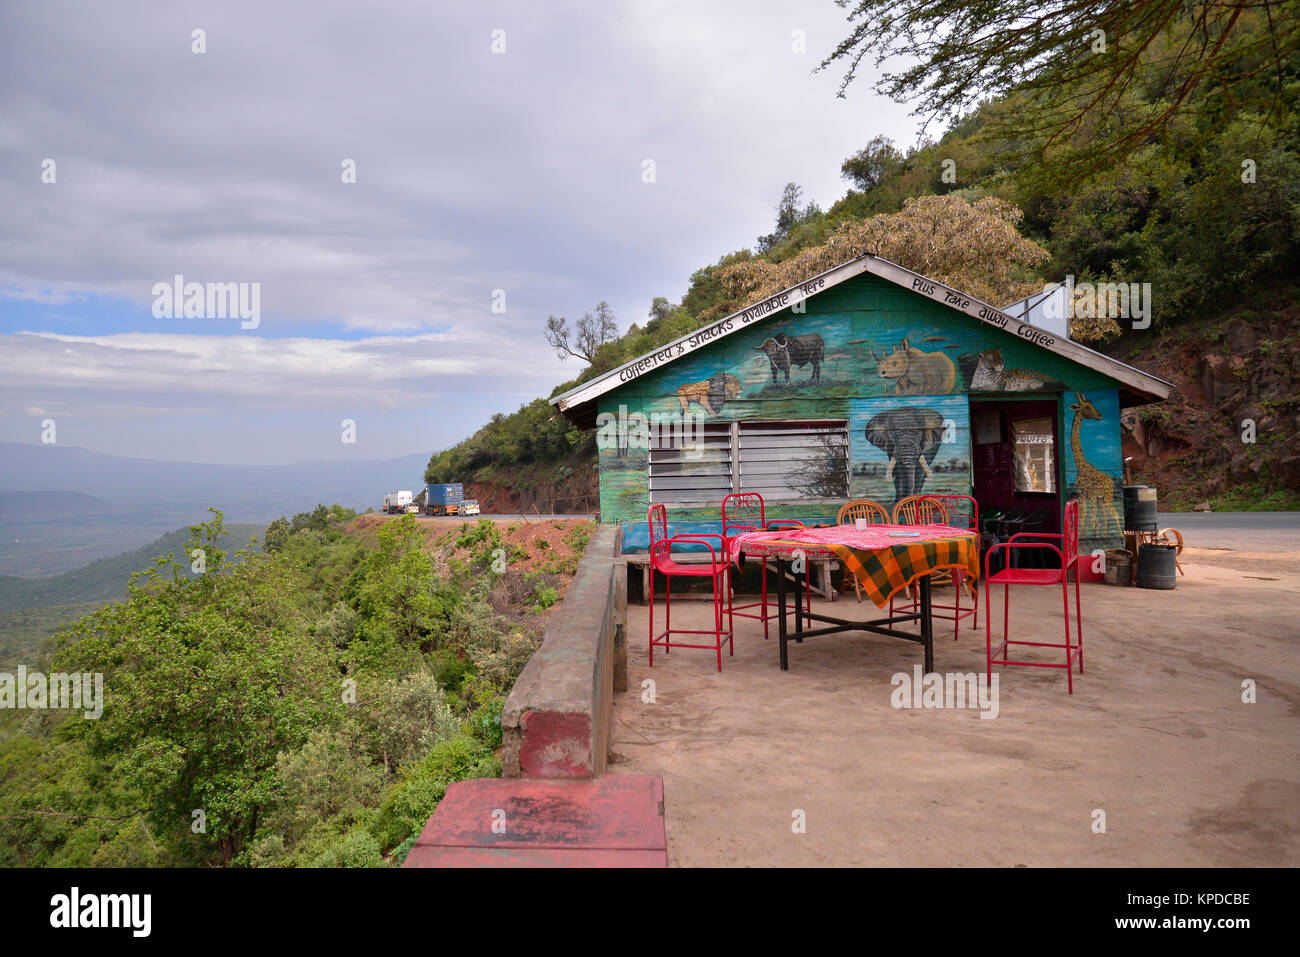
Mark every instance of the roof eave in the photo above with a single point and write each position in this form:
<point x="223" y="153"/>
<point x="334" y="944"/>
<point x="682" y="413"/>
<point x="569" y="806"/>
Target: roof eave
<point x="579" y="403"/>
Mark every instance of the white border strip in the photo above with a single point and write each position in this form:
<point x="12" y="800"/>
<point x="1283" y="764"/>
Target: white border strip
<point x="706" y="336"/>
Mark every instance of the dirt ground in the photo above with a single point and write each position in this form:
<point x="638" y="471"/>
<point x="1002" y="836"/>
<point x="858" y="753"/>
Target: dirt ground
<point x="1156" y="735"/>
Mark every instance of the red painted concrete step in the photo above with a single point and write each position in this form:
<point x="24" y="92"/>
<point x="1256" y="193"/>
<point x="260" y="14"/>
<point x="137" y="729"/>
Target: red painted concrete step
<point x="616" y="820"/>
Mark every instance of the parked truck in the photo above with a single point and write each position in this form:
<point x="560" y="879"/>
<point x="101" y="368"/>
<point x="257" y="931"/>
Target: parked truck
<point x="443" y="499"/>
<point x="395" y="503"/>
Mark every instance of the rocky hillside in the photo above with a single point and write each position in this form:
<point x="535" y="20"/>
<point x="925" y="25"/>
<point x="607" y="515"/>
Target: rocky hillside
<point x="1232" y="370"/>
<point x="566" y="487"/>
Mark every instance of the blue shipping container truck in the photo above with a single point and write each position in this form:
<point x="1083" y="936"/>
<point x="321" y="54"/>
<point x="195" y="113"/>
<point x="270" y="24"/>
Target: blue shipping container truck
<point x="443" y="499"/>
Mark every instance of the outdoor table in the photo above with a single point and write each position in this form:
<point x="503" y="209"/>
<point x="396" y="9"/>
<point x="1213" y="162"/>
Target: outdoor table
<point x="884" y="558"/>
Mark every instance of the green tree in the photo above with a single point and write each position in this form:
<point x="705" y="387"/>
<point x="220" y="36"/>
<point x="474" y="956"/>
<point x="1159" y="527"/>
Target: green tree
<point x="660" y="309"/>
<point x="1080" y="63"/>
<point x="277" y="535"/>
<point x="873" y="165"/>
<point x="208" y="680"/>
<point x="402" y="604"/>
<point x="788" y="215"/>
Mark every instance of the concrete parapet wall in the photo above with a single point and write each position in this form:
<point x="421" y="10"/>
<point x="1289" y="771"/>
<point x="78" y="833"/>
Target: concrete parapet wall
<point x="556" y="720"/>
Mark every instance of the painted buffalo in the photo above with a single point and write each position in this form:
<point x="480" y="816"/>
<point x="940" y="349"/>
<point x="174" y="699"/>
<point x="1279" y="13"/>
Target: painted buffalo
<point x="784" y="351"/>
<point x="914" y="372"/>
<point x="911" y="438"/>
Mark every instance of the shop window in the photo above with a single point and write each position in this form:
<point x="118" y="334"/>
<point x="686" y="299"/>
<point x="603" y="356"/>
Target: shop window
<point x="1033" y="450"/>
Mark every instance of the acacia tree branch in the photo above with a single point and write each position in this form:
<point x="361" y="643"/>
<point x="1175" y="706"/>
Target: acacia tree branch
<point x="964" y="51"/>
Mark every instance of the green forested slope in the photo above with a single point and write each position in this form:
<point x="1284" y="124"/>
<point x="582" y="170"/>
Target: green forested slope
<point x="306" y="706"/>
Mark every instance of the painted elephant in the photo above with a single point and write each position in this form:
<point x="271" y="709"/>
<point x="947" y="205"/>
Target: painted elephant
<point x="911" y="438"/>
<point x="784" y="351"/>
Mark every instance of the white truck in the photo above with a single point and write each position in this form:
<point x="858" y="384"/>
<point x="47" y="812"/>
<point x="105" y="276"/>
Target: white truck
<point x="395" y="503"/>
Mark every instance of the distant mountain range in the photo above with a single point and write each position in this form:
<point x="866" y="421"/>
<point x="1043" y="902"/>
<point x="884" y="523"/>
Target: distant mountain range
<point x="105" y="580"/>
<point x="21" y="505"/>
<point x="64" y="507"/>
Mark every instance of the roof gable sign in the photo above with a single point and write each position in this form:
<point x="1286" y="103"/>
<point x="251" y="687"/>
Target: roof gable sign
<point x="1140" y="382"/>
<point x="761" y="310"/>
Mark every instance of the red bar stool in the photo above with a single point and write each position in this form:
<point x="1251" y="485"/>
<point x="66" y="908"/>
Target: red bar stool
<point x="744" y="512"/>
<point x="661" y="561"/>
<point x="1068" y="554"/>
<point x="959" y="511"/>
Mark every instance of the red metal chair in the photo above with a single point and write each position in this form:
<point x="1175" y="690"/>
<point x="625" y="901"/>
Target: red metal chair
<point x="744" y="512"/>
<point x="661" y="561"/>
<point x="959" y="511"/>
<point x="1068" y="554"/>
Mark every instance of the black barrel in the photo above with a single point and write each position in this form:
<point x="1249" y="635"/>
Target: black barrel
<point x="1157" y="566"/>
<point x="1140" y="509"/>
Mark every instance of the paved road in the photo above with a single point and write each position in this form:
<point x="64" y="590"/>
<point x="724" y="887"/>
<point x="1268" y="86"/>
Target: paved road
<point x="1211" y="529"/>
<point x="1241" y="540"/>
<point x="1232" y="521"/>
<point x="1216" y="522"/>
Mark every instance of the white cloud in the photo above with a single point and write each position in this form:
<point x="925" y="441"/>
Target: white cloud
<point x="475" y="172"/>
<point x="239" y="373"/>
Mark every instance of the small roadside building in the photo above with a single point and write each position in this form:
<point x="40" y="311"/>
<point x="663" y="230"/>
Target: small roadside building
<point x="867" y="381"/>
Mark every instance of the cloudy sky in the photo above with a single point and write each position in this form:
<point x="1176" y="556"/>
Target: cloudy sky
<point x="127" y="158"/>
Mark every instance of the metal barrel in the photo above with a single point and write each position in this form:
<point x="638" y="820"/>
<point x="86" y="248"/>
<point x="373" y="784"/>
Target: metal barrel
<point x="1140" y="509"/>
<point x="1157" y="566"/>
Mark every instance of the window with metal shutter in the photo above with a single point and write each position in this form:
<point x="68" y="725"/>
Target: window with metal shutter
<point x="693" y="472"/>
<point x="795" y="460"/>
<point x="782" y="461"/>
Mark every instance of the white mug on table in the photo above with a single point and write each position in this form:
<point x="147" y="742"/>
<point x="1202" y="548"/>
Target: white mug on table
<point x="861" y="524"/>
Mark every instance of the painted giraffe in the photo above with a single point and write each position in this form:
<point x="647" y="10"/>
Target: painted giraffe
<point x="1096" y="488"/>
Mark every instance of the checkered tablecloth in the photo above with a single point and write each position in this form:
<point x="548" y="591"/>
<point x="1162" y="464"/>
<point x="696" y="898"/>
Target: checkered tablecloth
<point x="885" y="559"/>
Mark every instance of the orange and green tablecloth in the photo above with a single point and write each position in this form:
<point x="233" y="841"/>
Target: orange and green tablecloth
<point x="884" y="558"/>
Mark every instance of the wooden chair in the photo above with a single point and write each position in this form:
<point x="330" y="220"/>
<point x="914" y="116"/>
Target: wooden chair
<point x="850" y="512"/>
<point x="920" y="510"/>
<point x="916" y="510"/>
<point x="1172" y="536"/>
<point x="959" y="511"/>
<point x="1166" y="536"/>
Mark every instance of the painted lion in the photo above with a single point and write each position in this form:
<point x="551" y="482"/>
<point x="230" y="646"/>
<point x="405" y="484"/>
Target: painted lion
<point x="712" y="393"/>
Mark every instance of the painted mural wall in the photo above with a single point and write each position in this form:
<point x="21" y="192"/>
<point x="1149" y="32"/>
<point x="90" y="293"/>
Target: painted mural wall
<point x="1094" y="466"/>
<point x="919" y="446"/>
<point x="898" y="366"/>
